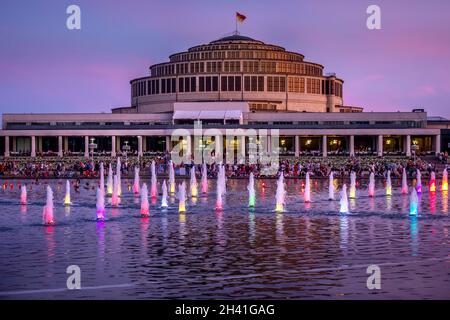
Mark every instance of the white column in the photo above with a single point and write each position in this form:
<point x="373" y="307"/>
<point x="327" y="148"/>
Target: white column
<point x="188" y="151"/>
<point x="408" y="145"/>
<point x="380" y="146"/>
<point x="324" y="146"/>
<point x="242" y="142"/>
<point x="140" y="154"/>
<point x="86" y="146"/>
<point x="113" y="146"/>
<point x="352" y="146"/>
<point x="168" y="144"/>
<point x="60" y="146"/>
<point x="218" y="149"/>
<point x="297" y="146"/>
<point x="33" y="146"/>
<point x="438" y="144"/>
<point x="6" y="146"/>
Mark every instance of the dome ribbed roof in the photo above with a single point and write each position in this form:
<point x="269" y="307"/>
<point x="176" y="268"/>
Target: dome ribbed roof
<point x="236" y="37"/>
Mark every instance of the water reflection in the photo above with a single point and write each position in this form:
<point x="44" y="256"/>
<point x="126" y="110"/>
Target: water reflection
<point x="220" y="237"/>
<point x="67" y="210"/>
<point x="414" y="233"/>
<point x="100" y="230"/>
<point x="343" y="231"/>
<point x="164" y="228"/>
<point x="445" y="202"/>
<point x="145" y="224"/>
<point x="389" y="203"/>
<point x="251" y="226"/>
<point x="433" y="202"/>
<point x="182" y="223"/>
<point x="50" y="241"/>
<point x="279" y="228"/>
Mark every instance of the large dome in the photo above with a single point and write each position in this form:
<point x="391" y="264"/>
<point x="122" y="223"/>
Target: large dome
<point x="238" y="68"/>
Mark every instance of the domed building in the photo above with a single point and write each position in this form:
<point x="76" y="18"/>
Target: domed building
<point x="238" y="68"/>
<point x="264" y="95"/>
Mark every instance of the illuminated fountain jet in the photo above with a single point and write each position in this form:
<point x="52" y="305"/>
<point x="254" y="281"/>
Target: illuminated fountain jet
<point x="352" y="191"/>
<point x="171" y="177"/>
<point x="433" y="182"/>
<point x="115" y="200"/>
<point x="136" y="186"/>
<point x="153" y="187"/>
<point x="222" y="178"/>
<point x="344" y="200"/>
<point x="47" y="212"/>
<point x="307" y="188"/>
<point x="102" y="177"/>
<point x="182" y="197"/>
<point x="280" y="195"/>
<point x="404" y="182"/>
<point x="204" y="178"/>
<point x="145" y="212"/>
<point x="100" y="204"/>
<point x="388" y="184"/>
<point x="251" y="190"/>
<point x="67" y="196"/>
<point x="372" y="185"/>
<point x="413" y="203"/>
<point x="23" y="194"/>
<point x="119" y="179"/>
<point x="109" y="182"/>
<point x="419" y="182"/>
<point x="331" y="186"/>
<point x="193" y="183"/>
<point x="164" y="195"/>
<point x="444" y="180"/>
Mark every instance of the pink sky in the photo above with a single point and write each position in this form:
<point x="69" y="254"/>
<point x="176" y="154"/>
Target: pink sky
<point x="47" y="68"/>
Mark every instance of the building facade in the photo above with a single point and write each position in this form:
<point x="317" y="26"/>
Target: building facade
<point x="238" y="68"/>
<point x="234" y="83"/>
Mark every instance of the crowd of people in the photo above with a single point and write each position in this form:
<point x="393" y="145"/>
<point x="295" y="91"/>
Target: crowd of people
<point x="292" y="167"/>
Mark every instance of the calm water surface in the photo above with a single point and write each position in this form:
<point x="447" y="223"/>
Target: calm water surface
<point x="309" y="251"/>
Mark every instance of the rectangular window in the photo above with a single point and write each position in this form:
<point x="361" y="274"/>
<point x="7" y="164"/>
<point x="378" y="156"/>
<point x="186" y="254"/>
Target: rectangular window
<point x="215" y="83"/>
<point x="208" y="84"/>
<point x="237" y="84"/>
<point x="201" y="84"/>
<point x="193" y="84"/>
<point x="230" y="83"/>
<point x="168" y="86"/>
<point x="223" y="84"/>
<point x="254" y="83"/>
<point x="187" y="87"/>
<point x="247" y="84"/>
<point x="174" y="85"/>
<point x="261" y="83"/>
<point x="180" y="85"/>
<point x="163" y="85"/>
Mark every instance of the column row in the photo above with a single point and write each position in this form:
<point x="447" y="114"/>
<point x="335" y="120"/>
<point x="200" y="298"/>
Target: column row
<point x="289" y="145"/>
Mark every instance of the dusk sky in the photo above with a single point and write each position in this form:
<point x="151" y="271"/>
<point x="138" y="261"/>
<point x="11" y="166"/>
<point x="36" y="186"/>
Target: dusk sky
<point x="45" y="67"/>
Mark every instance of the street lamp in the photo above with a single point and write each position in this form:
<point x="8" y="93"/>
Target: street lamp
<point x="91" y="147"/>
<point x="126" y="148"/>
<point x="414" y="147"/>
